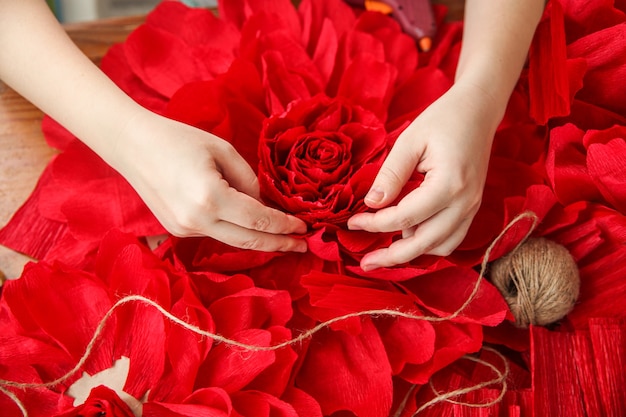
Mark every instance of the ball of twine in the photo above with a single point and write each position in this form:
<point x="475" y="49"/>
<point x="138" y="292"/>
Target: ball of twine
<point x="539" y="280"/>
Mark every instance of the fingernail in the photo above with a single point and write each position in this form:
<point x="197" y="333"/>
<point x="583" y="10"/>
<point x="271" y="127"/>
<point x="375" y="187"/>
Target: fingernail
<point x="369" y="267"/>
<point x="301" y="248"/>
<point x="301" y="229"/>
<point x="375" y="195"/>
<point x="354" y="225"/>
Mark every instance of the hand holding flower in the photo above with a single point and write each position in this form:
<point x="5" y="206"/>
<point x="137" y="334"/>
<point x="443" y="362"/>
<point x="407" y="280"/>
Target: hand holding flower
<point x="451" y="140"/>
<point x="197" y="185"/>
<point x="450" y="143"/>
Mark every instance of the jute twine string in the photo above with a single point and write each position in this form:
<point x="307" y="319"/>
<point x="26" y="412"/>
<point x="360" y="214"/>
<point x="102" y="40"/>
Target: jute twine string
<point x="137" y="299"/>
<point x="539" y="280"/>
<point x="500" y="378"/>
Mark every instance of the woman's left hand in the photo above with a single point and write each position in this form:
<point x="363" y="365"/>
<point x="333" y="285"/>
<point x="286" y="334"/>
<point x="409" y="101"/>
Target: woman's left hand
<point x="450" y="142"/>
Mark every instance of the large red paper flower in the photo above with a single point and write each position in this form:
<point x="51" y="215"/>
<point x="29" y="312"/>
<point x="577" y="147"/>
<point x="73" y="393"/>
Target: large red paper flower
<point x="312" y="97"/>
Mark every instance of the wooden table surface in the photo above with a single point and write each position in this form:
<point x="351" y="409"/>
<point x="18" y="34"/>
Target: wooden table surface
<point x="23" y="151"/>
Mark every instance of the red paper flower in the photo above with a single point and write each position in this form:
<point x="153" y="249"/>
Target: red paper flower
<point x="312" y="98"/>
<point x="102" y="402"/>
<point x="318" y="159"/>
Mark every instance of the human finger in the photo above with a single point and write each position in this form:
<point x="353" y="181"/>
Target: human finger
<point x="439" y="235"/>
<point x="245" y="211"/>
<point x="245" y="238"/>
<point x="420" y="204"/>
<point x="394" y="173"/>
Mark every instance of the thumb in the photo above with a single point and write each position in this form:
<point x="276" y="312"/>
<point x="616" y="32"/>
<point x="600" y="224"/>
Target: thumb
<point x="391" y="178"/>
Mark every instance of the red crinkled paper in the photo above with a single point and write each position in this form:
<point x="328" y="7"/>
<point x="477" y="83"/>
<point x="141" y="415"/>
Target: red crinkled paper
<point x="313" y="97"/>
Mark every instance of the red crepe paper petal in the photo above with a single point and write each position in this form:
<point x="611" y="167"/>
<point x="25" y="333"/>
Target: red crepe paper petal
<point x="166" y="56"/>
<point x="240" y="11"/>
<point x="283" y="86"/>
<point x="368" y="83"/>
<point x="147" y="51"/>
<point x="43" y="232"/>
<point x="604" y="53"/>
<point x="444" y="292"/>
<point x="128" y="270"/>
<point x="261" y="404"/>
<point x="359" y="241"/>
<point x="303" y="403"/>
<point x="548" y="75"/>
<point x="83" y="188"/>
<point x="277" y="376"/>
<point x="517" y="217"/>
<point x="566" y="166"/>
<point x="601" y="286"/>
<point x="591" y="116"/>
<point x="232" y="368"/>
<point x="141" y="338"/>
<point x="452" y="341"/>
<point x="73" y="168"/>
<point x="39" y="402"/>
<point x="399" y="48"/>
<point x="407" y="341"/>
<point x="333" y="295"/>
<point x="509" y="335"/>
<point x="348" y="372"/>
<point x="582" y="21"/>
<point x="185" y="350"/>
<point x="355" y="45"/>
<point x="315" y="15"/>
<point x="266" y="33"/>
<point x="212" y="38"/>
<point x="211" y="287"/>
<point x="51" y="285"/>
<point x="115" y="65"/>
<point x="417" y="267"/>
<point x="327" y="250"/>
<point x="79" y="254"/>
<point x="446" y="45"/>
<point x="220" y="257"/>
<point x="607" y="167"/>
<point x="326" y="50"/>
<point x="284" y="272"/>
<point x="419" y="91"/>
<point x="27" y="354"/>
<point x="209" y="402"/>
<point x="255" y="307"/>
<point x="570" y="367"/>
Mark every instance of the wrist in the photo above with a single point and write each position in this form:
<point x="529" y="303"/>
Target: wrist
<point x="487" y="105"/>
<point x="128" y="141"/>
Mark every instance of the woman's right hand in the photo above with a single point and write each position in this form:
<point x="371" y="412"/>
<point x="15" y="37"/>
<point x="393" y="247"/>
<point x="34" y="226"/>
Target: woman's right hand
<point x="196" y="184"/>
